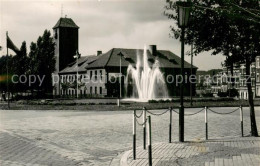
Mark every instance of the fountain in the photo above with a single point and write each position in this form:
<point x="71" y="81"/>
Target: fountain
<point x="147" y="81"/>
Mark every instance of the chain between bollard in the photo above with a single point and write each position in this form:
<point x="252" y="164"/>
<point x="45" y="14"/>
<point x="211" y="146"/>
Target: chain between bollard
<point x="224" y="113"/>
<point x="194" y="113"/>
<point x="189" y="114"/>
<point x="139" y="115"/>
<point x="175" y="111"/>
<point x="159" y="114"/>
<point x="141" y="124"/>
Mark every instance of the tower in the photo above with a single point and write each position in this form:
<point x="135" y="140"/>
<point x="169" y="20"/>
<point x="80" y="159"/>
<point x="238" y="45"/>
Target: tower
<point x="66" y="39"/>
<point x="65" y="34"/>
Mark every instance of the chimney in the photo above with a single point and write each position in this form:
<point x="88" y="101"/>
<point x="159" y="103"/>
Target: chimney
<point x="99" y="52"/>
<point x="153" y="50"/>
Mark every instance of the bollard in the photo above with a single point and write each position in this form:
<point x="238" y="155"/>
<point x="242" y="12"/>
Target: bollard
<point x="241" y="121"/>
<point x="170" y="126"/>
<point x="134" y="136"/>
<point x="118" y="102"/>
<point x="149" y="141"/>
<point x="206" y="122"/>
<point x="144" y="126"/>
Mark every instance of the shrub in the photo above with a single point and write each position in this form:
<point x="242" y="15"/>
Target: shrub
<point x="222" y="94"/>
<point x="207" y="95"/>
<point x="152" y="101"/>
<point x="232" y="93"/>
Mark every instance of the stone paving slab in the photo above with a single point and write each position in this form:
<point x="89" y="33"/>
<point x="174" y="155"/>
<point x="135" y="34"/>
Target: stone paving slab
<point x="19" y="151"/>
<point x="218" y="152"/>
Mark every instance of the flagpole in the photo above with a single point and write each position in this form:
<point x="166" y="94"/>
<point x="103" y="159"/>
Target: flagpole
<point x="8" y="98"/>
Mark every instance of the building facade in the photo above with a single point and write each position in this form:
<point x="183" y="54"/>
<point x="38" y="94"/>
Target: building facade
<point x="98" y="75"/>
<point x="224" y="80"/>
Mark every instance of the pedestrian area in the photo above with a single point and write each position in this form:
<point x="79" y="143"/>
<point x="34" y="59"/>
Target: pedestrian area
<point x="219" y="152"/>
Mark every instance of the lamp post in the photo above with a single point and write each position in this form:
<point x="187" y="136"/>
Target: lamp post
<point x="77" y="57"/>
<point x="191" y="67"/>
<point x="183" y="18"/>
<point x="120" y="76"/>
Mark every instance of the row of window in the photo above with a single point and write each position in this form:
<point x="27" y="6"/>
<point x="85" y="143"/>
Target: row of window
<point x="93" y="90"/>
<point x="93" y="74"/>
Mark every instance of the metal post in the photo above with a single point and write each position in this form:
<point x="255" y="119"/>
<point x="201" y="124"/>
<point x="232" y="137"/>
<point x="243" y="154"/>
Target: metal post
<point x="206" y="122"/>
<point x="181" y="114"/>
<point x="149" y="141"/>
<point x="191" y="66"/>
<point x="134" y="136"/>
<point x="170" y="126"/>
<point x="241" y="121"/>
<point x="144" y="126"/>
<point x="120" y="93"/>
<point x="77" y="77"/>
<point x="7" y="66"/>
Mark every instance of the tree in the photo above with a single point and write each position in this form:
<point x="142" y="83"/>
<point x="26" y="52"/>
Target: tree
<point x="42" y="61"/>
<point x="230" y="27"/>
<point x="20" y="66"/>
<point x="32" y="59"/>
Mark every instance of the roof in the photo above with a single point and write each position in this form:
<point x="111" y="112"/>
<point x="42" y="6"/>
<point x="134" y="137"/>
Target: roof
<point x="65" y="22"/>
<point x="83" y="62"/>
<point x="166" y="59"/>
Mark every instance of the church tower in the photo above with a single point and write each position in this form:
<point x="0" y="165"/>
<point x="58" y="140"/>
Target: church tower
<point x="66" y="39"/>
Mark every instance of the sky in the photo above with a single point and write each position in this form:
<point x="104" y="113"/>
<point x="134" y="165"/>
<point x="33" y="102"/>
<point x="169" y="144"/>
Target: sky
<point x="104" y="24"/>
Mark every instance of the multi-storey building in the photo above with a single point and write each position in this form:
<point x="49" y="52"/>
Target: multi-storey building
<point x="98" y="75"/>
<point x="224" y="80"/>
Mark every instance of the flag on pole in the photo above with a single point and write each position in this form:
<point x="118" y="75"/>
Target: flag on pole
<point x="11" y="45"/>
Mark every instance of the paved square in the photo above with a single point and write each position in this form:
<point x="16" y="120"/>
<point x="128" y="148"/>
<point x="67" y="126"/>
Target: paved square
<point x="95" y="138"/>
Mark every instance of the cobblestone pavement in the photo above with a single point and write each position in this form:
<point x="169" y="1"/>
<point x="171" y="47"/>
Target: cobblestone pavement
<point x="228" y="152"/>
<point x="95" y="138"/>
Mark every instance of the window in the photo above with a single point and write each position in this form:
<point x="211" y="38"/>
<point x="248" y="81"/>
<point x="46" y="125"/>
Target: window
<point x="95" y="74"/>
<point x="100" y="90"/>
<point x="80" y="77"/>
<point x="91" y="90"/>
<point x="100" y="74"/>
<point x="90" y="74"/>
<point x="95" y="90"/>
<point x="253" y="83"/>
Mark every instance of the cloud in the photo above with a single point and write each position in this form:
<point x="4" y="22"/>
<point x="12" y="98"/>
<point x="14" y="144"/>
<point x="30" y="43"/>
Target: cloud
<point x="103" y="24"/>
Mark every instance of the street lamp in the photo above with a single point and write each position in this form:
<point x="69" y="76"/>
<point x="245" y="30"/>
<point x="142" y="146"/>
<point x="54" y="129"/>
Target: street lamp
<point x="191" y="72"/>
<point x="120" y="64"/>
<point x="77" y="57"/>
<point x="184" y="9"/>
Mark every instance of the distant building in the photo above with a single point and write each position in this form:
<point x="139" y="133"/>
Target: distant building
<point x="99" y="74"/>
<point x="223" y="80"/>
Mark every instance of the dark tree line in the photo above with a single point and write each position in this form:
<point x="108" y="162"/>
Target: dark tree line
<point x="40" y="62"/>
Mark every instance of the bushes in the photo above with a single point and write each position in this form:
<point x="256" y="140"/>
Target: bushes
<point x="232" y="93"/>
<point x="161" y="101"/>
<point x="222" y="94"/>
<point x="207" y="95"/>
<point x="208" y="99"/>
<point x="229" y="93"/>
